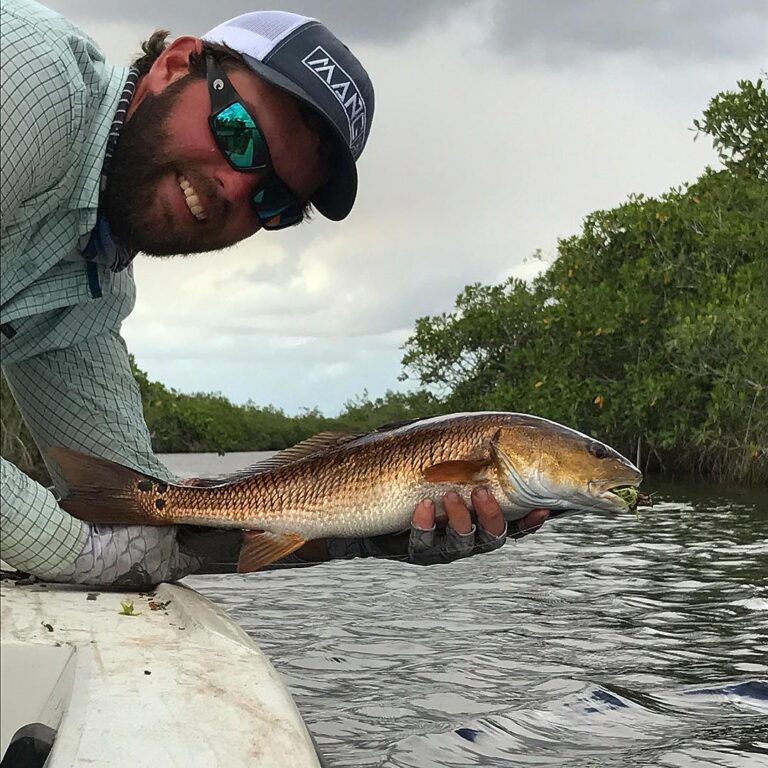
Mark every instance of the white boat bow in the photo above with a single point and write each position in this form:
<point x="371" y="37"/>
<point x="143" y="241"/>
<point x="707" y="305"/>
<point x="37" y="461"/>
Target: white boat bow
<point x="178" y="684"/>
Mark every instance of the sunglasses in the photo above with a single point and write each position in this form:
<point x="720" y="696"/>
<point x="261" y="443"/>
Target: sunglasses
<point x="242" y="142"/>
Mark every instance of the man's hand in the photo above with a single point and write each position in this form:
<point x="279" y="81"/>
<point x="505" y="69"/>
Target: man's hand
<point x="460" y="533"/>
<point x="434" y="538"/>
<point x="489" y="515"/>
<point x="134" y="556"/>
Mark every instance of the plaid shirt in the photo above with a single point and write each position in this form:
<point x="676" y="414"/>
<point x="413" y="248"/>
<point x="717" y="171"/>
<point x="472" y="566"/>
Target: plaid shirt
<point x="60" y="316"/>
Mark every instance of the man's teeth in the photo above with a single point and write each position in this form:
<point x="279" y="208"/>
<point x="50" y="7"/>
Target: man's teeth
<point x="193" y="201"/>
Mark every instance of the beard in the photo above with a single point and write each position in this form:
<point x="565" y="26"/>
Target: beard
<point x="142" y="158"/>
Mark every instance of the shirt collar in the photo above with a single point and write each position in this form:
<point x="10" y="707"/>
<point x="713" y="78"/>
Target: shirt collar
<point x="100" y="245"/>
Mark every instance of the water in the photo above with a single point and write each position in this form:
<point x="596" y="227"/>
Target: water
<point x="597" y="642"/>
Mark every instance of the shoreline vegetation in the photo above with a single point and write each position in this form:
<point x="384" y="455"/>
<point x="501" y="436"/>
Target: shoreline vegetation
<point x="649" y="331"/>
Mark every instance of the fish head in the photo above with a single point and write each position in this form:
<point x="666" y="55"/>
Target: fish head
<point x="544" y="464"/>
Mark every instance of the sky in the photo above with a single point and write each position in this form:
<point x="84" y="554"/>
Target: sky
<point x="499" y="125"/>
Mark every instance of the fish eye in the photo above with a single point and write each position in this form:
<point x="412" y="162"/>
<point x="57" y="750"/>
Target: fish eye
<point x="598" y="450"/>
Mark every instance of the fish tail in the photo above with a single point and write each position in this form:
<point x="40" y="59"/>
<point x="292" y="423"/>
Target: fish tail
<point x="101" y="491"/>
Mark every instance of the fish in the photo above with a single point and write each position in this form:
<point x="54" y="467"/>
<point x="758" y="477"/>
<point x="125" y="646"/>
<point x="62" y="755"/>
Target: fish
<point x="352" y="484"/>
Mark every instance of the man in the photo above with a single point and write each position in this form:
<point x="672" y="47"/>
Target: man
<point x="201" y="144"/>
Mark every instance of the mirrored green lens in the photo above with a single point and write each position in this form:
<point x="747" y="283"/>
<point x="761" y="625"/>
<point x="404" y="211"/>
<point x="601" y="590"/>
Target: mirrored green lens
<point x="239" y="137"/>
<point x="276" y="206"/>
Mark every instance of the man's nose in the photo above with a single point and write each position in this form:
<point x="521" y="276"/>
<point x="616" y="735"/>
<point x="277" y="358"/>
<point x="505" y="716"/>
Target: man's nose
<point x="238" y="185"/>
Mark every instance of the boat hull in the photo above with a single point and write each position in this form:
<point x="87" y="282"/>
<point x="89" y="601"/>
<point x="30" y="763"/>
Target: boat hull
<point x="178" y="683"/>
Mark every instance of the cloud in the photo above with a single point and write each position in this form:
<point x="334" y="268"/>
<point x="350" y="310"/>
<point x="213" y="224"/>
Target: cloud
<point x="485" y="147"/>
<point x="390" y="21"/>
<point x="563" y="32"/>
<point x="471" y="168"/>
<point x="553" y="32"/>
<point x="286" y="371"/>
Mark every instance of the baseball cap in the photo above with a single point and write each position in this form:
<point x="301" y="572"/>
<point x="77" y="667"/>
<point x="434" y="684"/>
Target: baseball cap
<point x="302" y="56"/>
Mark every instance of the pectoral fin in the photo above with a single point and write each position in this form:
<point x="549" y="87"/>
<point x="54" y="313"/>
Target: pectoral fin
<point x="461" y="472"/>
<point x="260" y="550"/>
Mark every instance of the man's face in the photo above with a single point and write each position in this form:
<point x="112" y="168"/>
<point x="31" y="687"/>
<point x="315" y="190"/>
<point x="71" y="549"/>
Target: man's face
<point x="166" y="147"/>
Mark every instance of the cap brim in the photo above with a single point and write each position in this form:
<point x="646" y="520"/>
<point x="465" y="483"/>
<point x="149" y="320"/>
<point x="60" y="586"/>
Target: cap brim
<point x="335" y="199"/>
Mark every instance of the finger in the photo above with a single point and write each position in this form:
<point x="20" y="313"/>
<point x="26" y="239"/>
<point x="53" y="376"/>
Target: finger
<point x="458" y="514"/>
<point x="489" y="514"/>
<point x="534" y="520"/>
<point x="422" y="537"/>
<point x="530" y="523"/>
<point x="424" y="515"/>
<point x="458" y="545"/>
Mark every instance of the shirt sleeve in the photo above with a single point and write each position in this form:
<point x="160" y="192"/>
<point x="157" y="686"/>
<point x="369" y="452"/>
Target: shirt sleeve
<point x="42" y="112"/>
<point x="83" y="397"/>
<point x="36" y="535"/>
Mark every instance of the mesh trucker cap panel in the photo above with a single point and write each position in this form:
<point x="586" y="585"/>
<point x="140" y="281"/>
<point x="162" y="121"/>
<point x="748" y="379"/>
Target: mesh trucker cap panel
<point x="255" y="33"/>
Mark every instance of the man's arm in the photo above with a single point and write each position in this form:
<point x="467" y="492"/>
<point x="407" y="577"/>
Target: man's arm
<point x="80" y="396"/>
<point x="84" y="397"/>
<point x="36" y="536"/>
<point x="42" y="109"/>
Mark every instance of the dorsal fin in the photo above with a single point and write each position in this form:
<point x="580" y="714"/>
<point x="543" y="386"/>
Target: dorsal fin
<point x="319" y="443"/>
<point x="323" y="441"/>
<point x="392" y="425"/>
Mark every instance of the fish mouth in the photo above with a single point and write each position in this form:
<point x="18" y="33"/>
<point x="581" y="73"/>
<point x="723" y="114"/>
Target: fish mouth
<point x="621" y="495"/>
<point x="612" y="491"/>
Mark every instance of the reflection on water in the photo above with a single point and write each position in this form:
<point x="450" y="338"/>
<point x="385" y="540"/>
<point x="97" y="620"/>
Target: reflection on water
<point x="632" y="641"/>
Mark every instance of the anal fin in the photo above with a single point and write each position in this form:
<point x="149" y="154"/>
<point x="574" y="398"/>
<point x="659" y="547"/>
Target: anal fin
<point x="262" y="549"/>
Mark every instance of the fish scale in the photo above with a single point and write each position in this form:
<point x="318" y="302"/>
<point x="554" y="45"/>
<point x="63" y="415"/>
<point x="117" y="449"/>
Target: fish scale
<point x="374" y="494"/>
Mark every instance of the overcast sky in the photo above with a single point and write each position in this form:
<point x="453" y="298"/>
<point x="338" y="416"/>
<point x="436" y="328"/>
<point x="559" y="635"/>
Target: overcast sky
<point x="499" y="125"/>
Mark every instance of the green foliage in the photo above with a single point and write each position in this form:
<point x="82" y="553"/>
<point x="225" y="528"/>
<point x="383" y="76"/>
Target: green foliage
<point x="649" y="330"/>
<point x="362" y="414"/>
<point x="181" y="423"/>
<point x="16" y="443"/>
<point x="738" y="124"/>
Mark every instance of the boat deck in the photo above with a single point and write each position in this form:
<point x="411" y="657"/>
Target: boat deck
<point x="176" y="684"/>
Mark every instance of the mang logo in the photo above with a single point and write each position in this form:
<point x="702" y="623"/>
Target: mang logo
<point x="343" y="87"/>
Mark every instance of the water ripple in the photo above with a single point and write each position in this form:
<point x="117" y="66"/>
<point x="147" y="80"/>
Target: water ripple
<point x="598" y="642"/>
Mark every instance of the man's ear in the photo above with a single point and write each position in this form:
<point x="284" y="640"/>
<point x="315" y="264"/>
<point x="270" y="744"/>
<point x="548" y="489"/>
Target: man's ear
<point x="172" y="63"/>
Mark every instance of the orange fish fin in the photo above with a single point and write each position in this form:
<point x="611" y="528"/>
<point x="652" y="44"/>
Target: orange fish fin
<point x="456" y="471"/>
<point x="319" y="443"/>
<point x="323" y="441"/>
<point x="391" y="426"/>
<point x="265" y="548"/>
<point x="102" y="491"/>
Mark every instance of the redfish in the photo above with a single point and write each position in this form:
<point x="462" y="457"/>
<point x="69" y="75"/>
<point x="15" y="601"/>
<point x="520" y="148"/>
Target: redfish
<point x="352" y="484"/>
